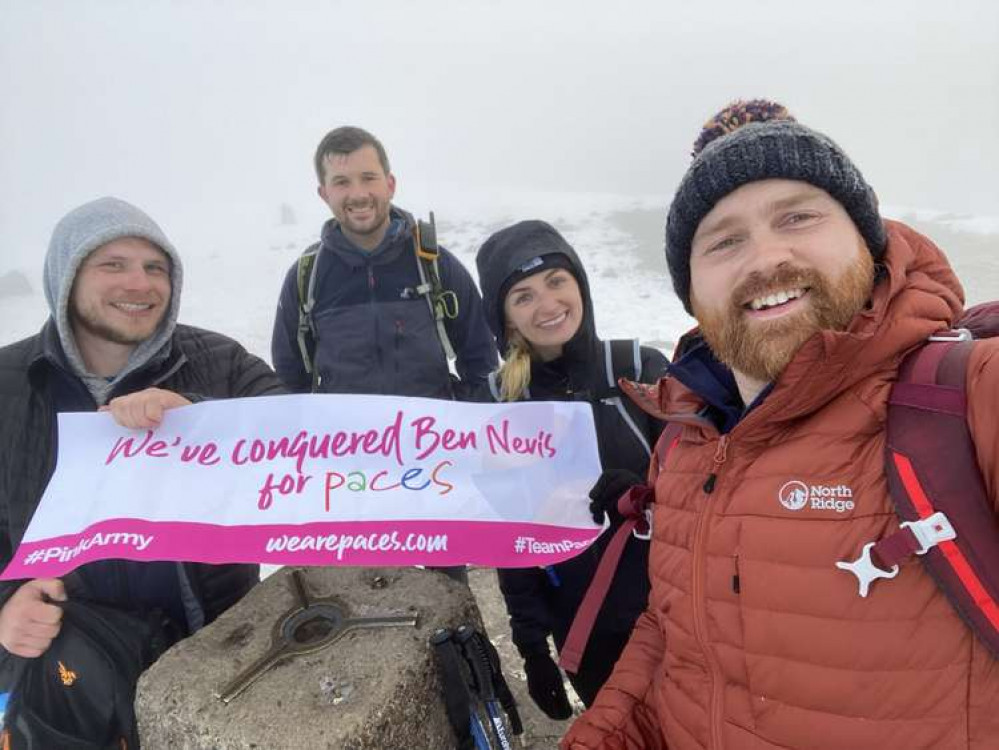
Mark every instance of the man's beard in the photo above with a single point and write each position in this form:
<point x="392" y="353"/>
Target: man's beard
<point x="762" y="349"/>
<point x="379" y="219"/>
<point x="93" y="324"/>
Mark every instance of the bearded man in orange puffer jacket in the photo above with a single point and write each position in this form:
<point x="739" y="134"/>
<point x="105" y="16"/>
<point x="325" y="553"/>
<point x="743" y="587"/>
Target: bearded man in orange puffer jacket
<point x="806" y="302"/>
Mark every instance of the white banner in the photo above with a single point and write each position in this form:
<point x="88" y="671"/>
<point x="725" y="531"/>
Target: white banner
<point x="321" y="479"/>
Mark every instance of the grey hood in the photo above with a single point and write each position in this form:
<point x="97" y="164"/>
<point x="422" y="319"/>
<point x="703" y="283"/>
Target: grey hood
<point x="79" y="233"/>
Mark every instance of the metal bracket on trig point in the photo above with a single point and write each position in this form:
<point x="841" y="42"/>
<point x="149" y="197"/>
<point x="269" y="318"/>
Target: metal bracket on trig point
<point x="310" y="626"/>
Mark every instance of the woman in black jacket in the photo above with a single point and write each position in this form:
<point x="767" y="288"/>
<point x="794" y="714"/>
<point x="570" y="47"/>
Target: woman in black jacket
<point x="537" y="302"/>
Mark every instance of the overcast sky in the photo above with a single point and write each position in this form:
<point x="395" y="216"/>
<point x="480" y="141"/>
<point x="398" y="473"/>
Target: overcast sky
<point x="206" y="114"/>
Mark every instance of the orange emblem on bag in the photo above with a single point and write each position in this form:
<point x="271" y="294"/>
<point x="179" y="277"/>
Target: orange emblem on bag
<point x="68" y="676"/>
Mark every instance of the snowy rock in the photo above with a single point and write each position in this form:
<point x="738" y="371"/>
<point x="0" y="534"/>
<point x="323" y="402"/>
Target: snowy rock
<point x="287" y="215"/>
<point x="373" y="688"/>
<point x="14" y="284"/>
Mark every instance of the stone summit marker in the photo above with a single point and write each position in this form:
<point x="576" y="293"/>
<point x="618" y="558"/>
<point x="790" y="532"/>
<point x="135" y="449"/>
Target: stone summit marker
<point x="372" y="687"/>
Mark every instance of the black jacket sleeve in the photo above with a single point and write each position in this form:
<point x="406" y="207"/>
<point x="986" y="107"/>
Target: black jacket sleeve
<point x="26" y="450"/>
<point x="250" y="376"/>
<point x="218" y="587"/>
<point x="7" y="588"/>
<point x="523" y="591"/>
<point x="217" y="367"/>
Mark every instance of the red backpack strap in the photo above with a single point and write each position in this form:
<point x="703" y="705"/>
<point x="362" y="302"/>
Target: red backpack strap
<point x="634" y="506"/>
<point x="932" y="471"/>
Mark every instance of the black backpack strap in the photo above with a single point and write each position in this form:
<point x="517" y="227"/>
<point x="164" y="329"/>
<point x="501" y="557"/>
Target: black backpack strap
<point x="458" y="701"/>
<point x="308" y="339"/>
<point x="487" y="689"/>
<point x="500" y="685"/>
<point x="623" y="359"/>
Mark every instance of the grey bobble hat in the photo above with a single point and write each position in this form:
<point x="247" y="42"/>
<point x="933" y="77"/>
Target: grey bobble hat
<point x="759" y="140"/>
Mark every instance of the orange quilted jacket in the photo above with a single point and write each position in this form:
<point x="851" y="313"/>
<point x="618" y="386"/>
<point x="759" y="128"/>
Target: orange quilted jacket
<point x="753" y="639"/>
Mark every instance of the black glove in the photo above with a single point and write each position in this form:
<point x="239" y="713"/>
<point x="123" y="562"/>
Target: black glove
<point x="544" y="683"/>
<point x="605" y="493"/>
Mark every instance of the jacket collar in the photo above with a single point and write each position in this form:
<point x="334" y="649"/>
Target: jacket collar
<point x="46" y="350"/>
<point x="397" y="238"/>
<point x="47" y="353"/>
<point x="701" y="373"/>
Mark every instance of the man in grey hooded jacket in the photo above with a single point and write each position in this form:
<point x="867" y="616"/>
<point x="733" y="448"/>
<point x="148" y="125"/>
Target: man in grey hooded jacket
<point x="112" y="280"/>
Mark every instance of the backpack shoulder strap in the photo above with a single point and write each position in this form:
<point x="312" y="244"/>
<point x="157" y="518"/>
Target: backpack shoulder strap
<point x="443" y="303"/>
<point x="494" y="386"/>
<point x="307" y="338"/>
<point x="634" y="506"/>
<point x="459" y="703"/>
<point x="932" y="470"/>
<point x="623" y="359"/>
<point x="981" y="321"/>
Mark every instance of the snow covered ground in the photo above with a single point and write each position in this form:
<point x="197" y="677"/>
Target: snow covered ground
<point x="232" y="277"/>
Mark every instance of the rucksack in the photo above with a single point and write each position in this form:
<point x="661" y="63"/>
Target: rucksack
<point x="79" y="694"/>
<point x="443" y="303"/>
<point x="935" y="482"/>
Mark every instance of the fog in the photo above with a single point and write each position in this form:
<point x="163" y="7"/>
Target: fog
<point x="206" y="114"/>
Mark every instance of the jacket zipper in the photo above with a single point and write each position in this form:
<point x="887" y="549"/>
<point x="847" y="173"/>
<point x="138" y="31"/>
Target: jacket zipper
<point x="380" y="355"/>
<point x="398" y="349"/>
<point x="715" y="707"/>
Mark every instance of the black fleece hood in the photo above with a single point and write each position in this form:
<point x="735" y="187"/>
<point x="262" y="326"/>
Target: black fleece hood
<point x="506" y="252"/>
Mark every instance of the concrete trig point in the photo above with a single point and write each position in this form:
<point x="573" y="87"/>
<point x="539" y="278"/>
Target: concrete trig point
<point x="392" y="699"/>
<point x="310" y="626"/>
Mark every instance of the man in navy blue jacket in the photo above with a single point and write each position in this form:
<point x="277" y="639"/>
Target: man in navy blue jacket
<point x="371" y="328"/>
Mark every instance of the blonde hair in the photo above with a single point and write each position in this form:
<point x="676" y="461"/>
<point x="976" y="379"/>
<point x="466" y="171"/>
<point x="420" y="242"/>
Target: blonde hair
<point x="515" y="372"/>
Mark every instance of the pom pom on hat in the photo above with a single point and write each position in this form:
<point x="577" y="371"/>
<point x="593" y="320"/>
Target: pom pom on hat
<point x="737" y="114"/>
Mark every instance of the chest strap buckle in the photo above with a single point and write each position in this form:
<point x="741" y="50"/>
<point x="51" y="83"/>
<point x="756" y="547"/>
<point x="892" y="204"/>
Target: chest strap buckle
<point x="865" y="569"/>
<point x="642" y="530"/>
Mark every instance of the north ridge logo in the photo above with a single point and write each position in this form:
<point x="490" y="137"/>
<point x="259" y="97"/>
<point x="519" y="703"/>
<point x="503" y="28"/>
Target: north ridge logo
<point x="796" y="495"/>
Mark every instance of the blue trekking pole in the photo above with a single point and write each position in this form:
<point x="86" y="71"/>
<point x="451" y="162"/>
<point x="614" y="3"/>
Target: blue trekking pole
<point x="478" y="732"/>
